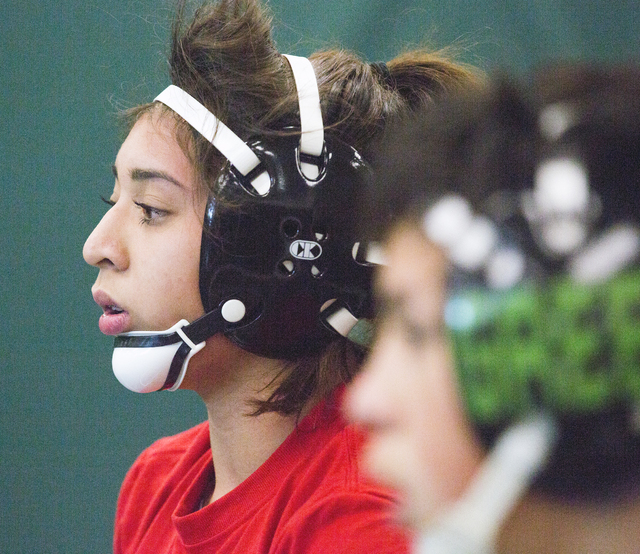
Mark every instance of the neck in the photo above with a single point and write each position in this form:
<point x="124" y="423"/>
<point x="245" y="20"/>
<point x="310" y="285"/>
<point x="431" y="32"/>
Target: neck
<point x="241" y="443"/>
<point x="228" y="379"/>
<point x="544" y="526"/>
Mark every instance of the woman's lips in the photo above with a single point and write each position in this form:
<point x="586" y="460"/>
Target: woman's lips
<point x="115" y="319"/>
<point x="113" y="323"/>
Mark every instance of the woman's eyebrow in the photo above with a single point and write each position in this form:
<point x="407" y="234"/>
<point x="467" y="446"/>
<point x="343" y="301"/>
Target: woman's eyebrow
<point x="149" y="174"/>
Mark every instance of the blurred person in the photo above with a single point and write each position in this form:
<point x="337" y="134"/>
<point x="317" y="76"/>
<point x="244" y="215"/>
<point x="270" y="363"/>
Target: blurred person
<point x="502" y="393"/>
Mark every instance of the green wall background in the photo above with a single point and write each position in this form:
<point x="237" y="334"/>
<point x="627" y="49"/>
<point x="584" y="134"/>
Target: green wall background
<point x="68" y="430"/>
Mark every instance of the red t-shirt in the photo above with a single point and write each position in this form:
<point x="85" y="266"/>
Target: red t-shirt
<point x="309" y="497"/>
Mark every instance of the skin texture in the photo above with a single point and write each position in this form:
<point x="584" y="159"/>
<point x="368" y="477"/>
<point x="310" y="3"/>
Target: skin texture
<point x="419" y="440"/>
<point x="542" y="526"/>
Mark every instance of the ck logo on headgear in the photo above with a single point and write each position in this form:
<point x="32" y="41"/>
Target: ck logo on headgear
<point x="305" y="250"/>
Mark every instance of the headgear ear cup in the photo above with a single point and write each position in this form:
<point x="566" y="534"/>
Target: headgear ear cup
<point x="294" y="253"/>
<point x="287" y="251"/>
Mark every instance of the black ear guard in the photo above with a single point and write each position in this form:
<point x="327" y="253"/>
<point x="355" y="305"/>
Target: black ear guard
<point x="291" y="256"/>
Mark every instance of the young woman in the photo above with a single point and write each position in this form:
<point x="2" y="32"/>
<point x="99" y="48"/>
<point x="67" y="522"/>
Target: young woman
<point x="503" y="388"/>
<point x="229" y="264"/>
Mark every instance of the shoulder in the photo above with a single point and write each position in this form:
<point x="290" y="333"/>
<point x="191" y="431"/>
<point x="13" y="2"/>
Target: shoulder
<point x="158" y="464"/>
<point x="168" y="449"/>
<point x="336" y="506"/>
<point x="347" y="513"/>
<point x="154" y="482"/>
<point x="330" y="448"/>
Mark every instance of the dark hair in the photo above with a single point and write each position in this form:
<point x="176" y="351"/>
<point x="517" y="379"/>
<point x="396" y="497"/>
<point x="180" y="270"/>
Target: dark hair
<point x="477" y="142"/>
<point x="223" y="54"/>
<point x="473" y="143"/>
<point x="604" y="102"/>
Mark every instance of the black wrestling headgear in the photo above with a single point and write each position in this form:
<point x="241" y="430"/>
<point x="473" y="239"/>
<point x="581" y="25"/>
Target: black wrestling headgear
<point x="291" y="256"/>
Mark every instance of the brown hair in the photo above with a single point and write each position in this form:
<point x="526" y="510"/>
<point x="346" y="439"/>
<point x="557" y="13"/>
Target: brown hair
<point x="223" y="54"/>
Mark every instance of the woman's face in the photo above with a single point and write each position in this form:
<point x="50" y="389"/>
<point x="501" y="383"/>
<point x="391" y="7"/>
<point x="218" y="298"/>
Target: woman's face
<point x="147" y="245"/>
<point x="420" y="442"/>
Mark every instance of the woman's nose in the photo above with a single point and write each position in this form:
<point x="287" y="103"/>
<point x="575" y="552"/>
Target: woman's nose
<point x="105" y="247"/>
<point x="368" y="395"/>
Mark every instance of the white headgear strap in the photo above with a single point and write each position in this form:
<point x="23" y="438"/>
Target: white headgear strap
<point x="311" y="125"/>
<point x="232" y="147"/>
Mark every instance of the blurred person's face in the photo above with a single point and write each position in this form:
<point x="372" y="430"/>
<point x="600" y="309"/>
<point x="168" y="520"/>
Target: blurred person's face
<point x="420" y="442"/>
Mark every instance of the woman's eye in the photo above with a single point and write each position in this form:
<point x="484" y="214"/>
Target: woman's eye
<point x="150" y="215"/>
<point x="415" y="334"/>
<point x="107" y="201"/>
<point x="419" y="335"/>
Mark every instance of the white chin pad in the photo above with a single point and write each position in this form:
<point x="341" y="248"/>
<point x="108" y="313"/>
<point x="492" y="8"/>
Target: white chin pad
<point x="145" y="369"/>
